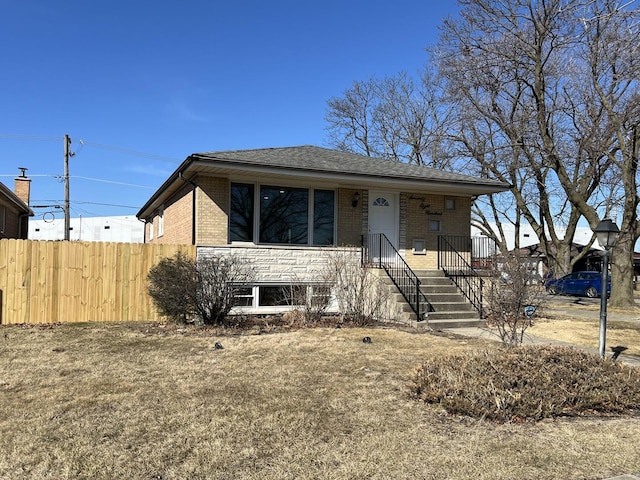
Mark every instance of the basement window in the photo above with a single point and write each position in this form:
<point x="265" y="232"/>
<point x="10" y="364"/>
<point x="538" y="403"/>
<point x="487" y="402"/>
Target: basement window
<point x="243" y="296"/>
<point x="278" y="295"/>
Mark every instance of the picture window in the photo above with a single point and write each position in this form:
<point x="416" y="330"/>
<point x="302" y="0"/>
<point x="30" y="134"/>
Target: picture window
<point x="282" y="215"/>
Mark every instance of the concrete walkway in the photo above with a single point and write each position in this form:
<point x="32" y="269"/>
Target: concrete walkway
<point x="488" y="334"/>
<point x="578" y="313"/>
<point x="558" y="311"/>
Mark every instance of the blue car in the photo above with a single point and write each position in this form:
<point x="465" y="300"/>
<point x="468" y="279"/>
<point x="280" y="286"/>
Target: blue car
<point x="578" y="283"/>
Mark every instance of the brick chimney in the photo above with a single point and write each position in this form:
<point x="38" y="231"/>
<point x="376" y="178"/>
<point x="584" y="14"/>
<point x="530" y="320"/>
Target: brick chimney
<point x="22" y="186"/>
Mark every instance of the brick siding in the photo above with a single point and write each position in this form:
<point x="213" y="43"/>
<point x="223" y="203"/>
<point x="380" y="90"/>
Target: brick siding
<point x="178" y="220"/>
<point x="416" y="211"/>
<point x="212" y="207"/>
<point x="350" y="219"/>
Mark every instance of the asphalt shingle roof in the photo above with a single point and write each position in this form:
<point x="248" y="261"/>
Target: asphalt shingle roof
<point x="324" y="162"/>
<point x="312" y="158"/>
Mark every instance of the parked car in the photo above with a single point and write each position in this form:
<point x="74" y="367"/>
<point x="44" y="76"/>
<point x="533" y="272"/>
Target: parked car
<point x="578" y="283"/>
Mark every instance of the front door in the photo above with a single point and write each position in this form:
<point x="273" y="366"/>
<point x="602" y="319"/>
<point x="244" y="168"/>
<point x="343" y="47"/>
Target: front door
<point x="383" y="218"/>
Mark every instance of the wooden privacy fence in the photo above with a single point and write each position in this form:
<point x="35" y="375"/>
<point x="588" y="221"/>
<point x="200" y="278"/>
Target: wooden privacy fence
<point x="62" y="281"/>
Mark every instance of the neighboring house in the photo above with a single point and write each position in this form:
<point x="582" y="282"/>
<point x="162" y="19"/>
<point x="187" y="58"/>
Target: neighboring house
<point x="286" y="209"/>
<point x="14" y="208"/>
<point x="527" y="235"/>
<point x="537" y="263"/>
<point x="124" y="228"/>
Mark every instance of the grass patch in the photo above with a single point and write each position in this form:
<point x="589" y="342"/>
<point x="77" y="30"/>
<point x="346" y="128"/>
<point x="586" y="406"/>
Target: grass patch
<point x="143" y="401"/>
<point x="585" y="333"/>
<point x="528" y="383"/>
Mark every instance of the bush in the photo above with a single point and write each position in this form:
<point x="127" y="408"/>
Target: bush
<point x="527" y="383"/>
<point x="182" y="288"/>
<point x="510" y="294"/>
<point x="172" y="285"/>
<point x="360" y="294"/>
<point x="219" y="279"/>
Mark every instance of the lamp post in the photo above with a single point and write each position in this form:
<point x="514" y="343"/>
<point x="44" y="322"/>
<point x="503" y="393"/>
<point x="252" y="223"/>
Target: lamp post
<point x="607" y="234"/>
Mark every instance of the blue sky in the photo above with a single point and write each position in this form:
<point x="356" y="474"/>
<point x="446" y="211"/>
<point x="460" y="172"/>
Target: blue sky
<point x="138" y="86"/>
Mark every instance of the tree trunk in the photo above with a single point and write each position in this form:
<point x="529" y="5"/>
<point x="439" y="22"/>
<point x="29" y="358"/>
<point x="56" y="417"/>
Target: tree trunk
<point x="622" y="272"/>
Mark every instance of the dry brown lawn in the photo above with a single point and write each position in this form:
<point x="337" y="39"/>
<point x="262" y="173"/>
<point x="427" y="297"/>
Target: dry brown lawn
<point x="140" y="402"/>
<point x="584" y="331"/>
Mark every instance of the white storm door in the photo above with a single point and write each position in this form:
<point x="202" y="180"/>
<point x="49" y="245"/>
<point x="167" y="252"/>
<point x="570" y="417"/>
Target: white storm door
<point x="383" y="218"/>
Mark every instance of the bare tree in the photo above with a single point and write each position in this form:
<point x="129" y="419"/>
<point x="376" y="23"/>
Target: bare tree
<point x="399" y="118"/>
<point x="546" y="96"/>
<point x="543" y="95"/>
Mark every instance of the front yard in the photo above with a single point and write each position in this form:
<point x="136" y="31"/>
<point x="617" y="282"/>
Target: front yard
<point x="145" y="401"/>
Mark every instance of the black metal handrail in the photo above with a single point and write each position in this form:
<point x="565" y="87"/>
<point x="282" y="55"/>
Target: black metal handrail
<point x="457" y="268"/>
<point x="381" y="252"/>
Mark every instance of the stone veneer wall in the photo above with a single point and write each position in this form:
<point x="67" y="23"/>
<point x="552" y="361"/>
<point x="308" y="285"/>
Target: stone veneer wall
<point x="283" y="264"/>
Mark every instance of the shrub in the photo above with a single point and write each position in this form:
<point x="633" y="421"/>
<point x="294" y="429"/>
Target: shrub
<point x="510" y="294"/>
<point x="360" y="294"/>
<point x="219" y="279"/>
<point x="527" y="383"/>
<point x="172" y="285"/>
<point x="182" y="287"/>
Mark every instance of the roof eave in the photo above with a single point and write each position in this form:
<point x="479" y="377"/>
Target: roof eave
<point x="192" y="166"/>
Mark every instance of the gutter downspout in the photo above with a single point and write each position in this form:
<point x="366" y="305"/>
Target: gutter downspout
<point x="144" y="230"/>
<point x="193" y="207"/>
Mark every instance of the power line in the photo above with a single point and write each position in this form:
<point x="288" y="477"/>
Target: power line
<point x="102" y="180"/>
<point x="41" y="138"/>
<point x="127" y="151"/>
<point x="54" y="202"/>
<point x="30" y="176"/>
<point x="105" y="204"/>
<point x="112" y="182"/>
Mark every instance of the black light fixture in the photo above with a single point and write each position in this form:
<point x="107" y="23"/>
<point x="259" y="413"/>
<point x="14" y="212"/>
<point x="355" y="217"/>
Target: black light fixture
<point x="607" y="234"/>
<point x="355" y="200"/>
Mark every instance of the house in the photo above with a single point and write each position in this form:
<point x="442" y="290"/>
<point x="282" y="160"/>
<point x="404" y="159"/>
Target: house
<point x="14" y="208"/>
<point x="286" y="209"/>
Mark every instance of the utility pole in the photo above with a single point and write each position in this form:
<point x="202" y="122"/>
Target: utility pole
<point x="67" y="217"/>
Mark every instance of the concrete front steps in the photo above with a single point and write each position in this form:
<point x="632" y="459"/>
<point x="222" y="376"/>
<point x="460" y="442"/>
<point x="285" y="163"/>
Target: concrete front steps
<point x="452" y="309"/>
